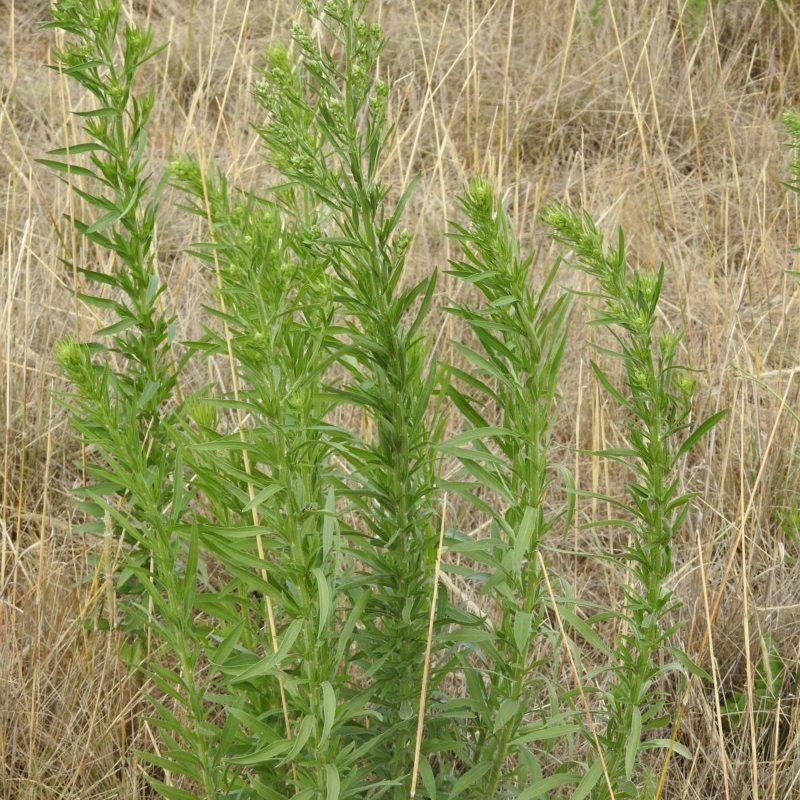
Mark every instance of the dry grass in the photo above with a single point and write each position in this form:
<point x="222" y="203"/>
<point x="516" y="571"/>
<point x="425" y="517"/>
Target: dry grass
<point x="667" y="126"/>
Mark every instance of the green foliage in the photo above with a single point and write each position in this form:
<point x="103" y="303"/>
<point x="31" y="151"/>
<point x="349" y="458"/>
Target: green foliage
<point x="127" y="388"/>
<point x="522" y="337"/>
<point x="280" y="559"/>
<point x="657" y="399"/>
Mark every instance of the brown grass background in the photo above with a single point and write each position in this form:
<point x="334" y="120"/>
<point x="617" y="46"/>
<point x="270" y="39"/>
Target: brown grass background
<point x="664" y="122"/>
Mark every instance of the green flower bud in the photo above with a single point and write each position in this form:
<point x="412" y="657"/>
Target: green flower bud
<point x="336" y="111"/>
<point x="378" y="100"/>
<point x="480" y="200"/>
<point x="639" y="379"/>
<point x="69" y="354"/>
<point x="685" y="385"/>
<point x="669" y="341"/>
<point x="299" y="399"/>
<point x="186" y="170"/>
<point x="137" y="39"/>
<point x="74" y="55"/>
<point x="303" y="38"/>
<point x="263" y="91"/>
<point x="333" y="9"/>
<point x="402" y="242"/>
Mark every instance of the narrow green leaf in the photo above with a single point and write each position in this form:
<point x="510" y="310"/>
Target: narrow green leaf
<point x="75" y="149"/>
<point x="95" y="112"/>
<point x="329" y="524"/>
<point x="688" y="664"/>
<point x="400" y="205"/>
<point x="573" y="620"/>
<point x="353" y="618"/>
<point x="590" y="779"/>
<point x="260" y="728"/>
<point x="470" y="778"/>
<point x="190" y="574"/>
<point x="522" y="631"/>
<point x="141" y="143"/>
<point x="668" y="744"/>
<point x="483" y="364"/>
<point x="117" y="327"/>
<point x="165" y="719"/>
<point x="522" y="539"/>
<point x="96" y="200"/>
<point x="634" y="741"/>
<point x="177" y="762"/>
<point x="469" y="454"/>
<point x="170" y="792"/>
<point x="467" y="437"/>
<point x="506" y="712"/>
<point x="328" y="711"/>
<point x="544" y="732"/>
<point x="332" y="781"/>
<point x="100" y="277"/>
<point x="102" y="302"/>
<point x="610" y="388"/>
<point x="428" y="778"/>
<point x="104" y="222"/>
<point x="226" y="646"/>
<point x="476" y="383"/>
<point x="269" y="664"/>
<point x="303" y="733"/>
<point x="528" y="768"/>
<point x="270" y="753"/>
<point x="324" y="594"/>
<point x="493" y="479"/>
<point x="265" y="494"/>
<point x="226" y="739"/>
<point x="421" y="314"/>
<point x="147" y="394"/>
<point x="63" y="166"/>
<point x="540" y="789"/>
<point x="265" y="791"/>
<point x="700" y="431"/>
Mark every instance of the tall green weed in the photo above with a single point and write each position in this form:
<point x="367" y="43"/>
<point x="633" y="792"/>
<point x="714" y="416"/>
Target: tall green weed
<point x="280" y="563"/>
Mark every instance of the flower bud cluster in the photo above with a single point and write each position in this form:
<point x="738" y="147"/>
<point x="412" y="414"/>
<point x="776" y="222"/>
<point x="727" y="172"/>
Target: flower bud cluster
<point x="185" y="171"/>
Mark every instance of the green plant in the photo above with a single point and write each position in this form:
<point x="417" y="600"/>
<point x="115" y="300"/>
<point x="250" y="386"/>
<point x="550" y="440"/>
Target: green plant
<point x="133" y="397"/>
<point x="313" y="656"/>
<point x="127" y="400"/>
<point x="392" y="378"/>
<point x="515" y="369"/>
<point x="329" y="293"/>
<point x="660" y="432"/>
<point x="307" y="283"/>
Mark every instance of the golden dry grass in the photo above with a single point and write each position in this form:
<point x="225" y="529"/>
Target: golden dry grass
<point x="666" y="125"/>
